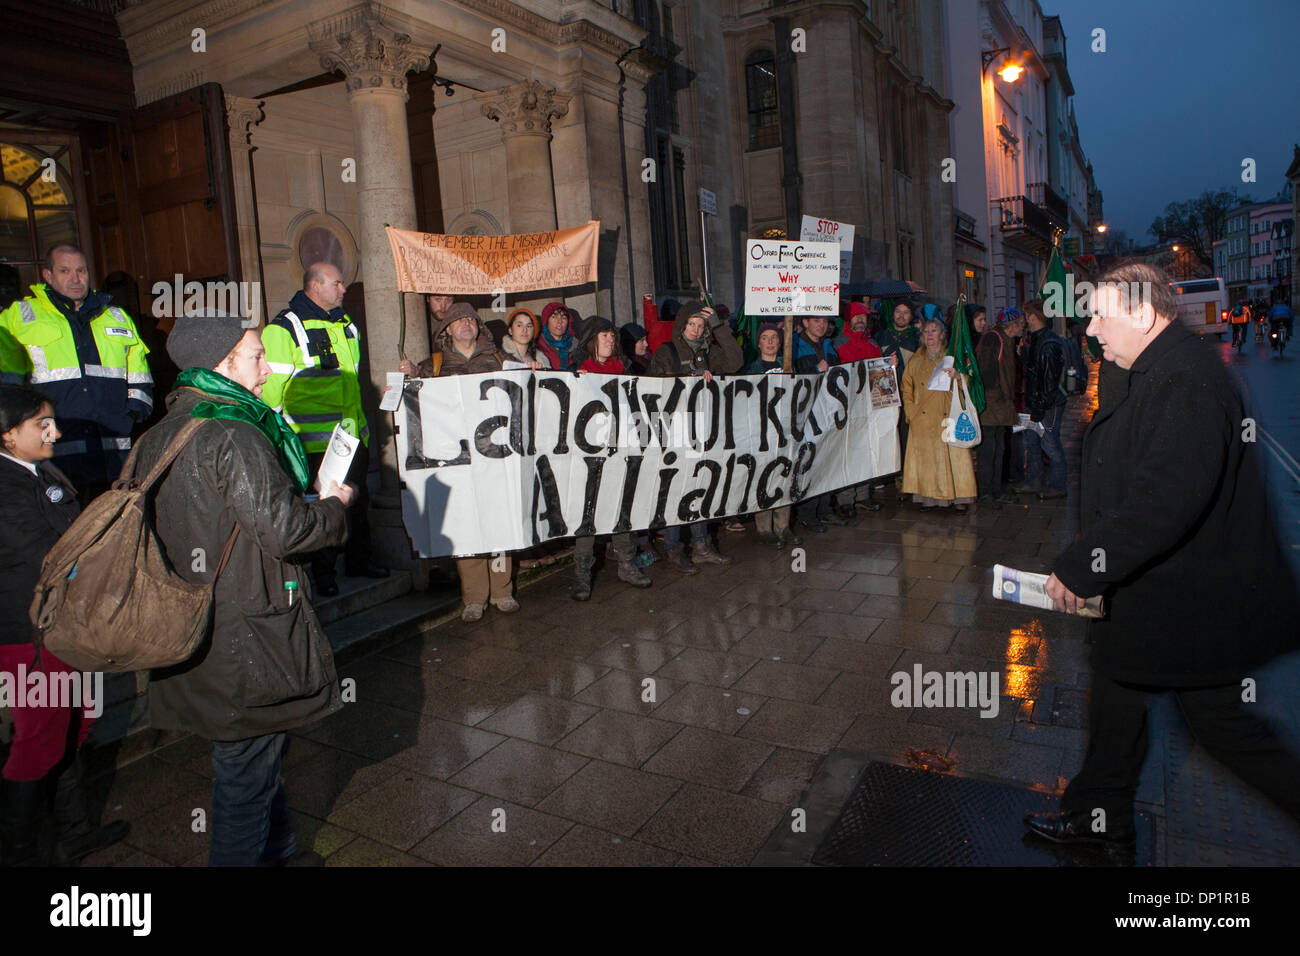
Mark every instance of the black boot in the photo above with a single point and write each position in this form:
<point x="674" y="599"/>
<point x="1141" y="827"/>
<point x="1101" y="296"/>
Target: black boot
<point x="582" y="577"/>
<point x="20" y="815"/>
<point x="75" y="835"/>
<point x="631" y="574"/>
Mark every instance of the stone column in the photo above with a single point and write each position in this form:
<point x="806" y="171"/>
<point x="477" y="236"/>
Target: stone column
<point x="242" y="114"/>
<point x="525" y="111"/>
<point x="375" y="59"/>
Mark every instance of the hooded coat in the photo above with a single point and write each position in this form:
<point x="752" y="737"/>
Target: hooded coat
<point x="1198" y="590"/>
<point x="559" y="362"/>
<point x="996" y="355"/>
<point x="266" y="666"/>
<point x="721" y="356"/>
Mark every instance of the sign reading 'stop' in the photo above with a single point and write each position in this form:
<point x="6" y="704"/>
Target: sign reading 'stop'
<point x="470" y="265"/>
<point x="792" y="277"/>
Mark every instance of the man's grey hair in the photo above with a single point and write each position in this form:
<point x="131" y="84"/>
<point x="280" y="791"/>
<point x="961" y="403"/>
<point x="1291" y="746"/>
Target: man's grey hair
<point x="1137" y="284"/>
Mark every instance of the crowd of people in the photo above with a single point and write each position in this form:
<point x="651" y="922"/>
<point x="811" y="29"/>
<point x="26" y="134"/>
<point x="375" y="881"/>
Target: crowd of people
<point x="74" y="364"/>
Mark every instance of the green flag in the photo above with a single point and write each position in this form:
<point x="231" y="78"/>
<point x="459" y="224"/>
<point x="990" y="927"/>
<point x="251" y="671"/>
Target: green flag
<point x="961" y="346"/>
<point x="1057" y="302"/>
<point x="747" y="333"/>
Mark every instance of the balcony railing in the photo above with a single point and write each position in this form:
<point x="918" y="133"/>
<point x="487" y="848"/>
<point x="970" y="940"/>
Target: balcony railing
<point x="1055" y="207"/>
<point x="1024" y="225"/>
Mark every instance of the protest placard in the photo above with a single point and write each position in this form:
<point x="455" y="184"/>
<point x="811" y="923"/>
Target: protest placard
<point x="813" y="229"/>
<point x="785" y="277"/>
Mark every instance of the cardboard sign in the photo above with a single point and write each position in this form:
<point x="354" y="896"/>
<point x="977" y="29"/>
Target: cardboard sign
<point x="789" y="277"/>
<point x="813" y="229"/>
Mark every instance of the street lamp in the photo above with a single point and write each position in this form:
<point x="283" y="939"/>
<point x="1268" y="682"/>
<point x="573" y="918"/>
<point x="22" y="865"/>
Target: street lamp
<point x="1010" y="72"/>
<point x="1101" y="227"/>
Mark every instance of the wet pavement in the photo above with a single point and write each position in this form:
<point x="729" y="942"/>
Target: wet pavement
<point x="683" y="725"/>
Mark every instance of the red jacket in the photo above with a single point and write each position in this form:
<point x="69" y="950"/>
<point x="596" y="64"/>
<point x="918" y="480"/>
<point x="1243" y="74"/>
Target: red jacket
<point x="857" y="347"/>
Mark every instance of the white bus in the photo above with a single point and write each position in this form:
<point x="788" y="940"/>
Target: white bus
<point x="1202" y="305"/>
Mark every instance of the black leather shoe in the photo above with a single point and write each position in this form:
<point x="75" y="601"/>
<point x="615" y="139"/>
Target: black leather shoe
<point x="1077" y="828"/>
<point x="835" y="519"/>
<point x="367" y="570"/>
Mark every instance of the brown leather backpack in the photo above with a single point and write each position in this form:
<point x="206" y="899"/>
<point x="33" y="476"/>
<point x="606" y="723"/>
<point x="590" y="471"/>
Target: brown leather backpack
<point x="107" y="598"/>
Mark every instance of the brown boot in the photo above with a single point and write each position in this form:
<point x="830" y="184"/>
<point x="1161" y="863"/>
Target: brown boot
<point x="675" y="558"/>
<point x="705" y="553"/>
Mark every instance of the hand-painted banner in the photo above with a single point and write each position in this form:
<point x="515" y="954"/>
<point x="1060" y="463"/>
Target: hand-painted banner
<point x="506" y="460"/>
<point x="471" y="265"/>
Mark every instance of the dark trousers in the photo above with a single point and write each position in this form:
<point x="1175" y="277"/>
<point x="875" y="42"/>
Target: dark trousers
<point x="1117" y="746"/>
<point x="811" y="510"/>
<point x="989" y="457"/>
<point x="357" y="548"/>
<point x="250" y="813"/>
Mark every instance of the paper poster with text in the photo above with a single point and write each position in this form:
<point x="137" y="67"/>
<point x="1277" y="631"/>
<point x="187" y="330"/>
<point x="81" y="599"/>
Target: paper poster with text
<point x="792" y="277"/>
<point x="828" y="230"/>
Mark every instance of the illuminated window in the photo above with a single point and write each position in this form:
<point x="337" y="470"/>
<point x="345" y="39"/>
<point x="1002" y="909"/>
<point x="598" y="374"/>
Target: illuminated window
<point x="36" y="208"/>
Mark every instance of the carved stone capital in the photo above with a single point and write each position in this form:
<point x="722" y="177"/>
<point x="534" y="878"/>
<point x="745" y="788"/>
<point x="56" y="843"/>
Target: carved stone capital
<point x="370" y="54"/>
<point x="525" y="109"/>
<point x="242" y="114"/>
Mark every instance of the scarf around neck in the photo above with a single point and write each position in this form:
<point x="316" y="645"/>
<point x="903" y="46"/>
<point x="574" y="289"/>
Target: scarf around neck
<point x="232" y="402"/>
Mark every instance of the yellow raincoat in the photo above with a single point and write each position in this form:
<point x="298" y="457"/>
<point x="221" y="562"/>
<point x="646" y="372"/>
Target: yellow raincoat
<point x="932" y="470"/>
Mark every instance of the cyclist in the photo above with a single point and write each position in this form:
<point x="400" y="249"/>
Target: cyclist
<point x="1239" y="318"/>
<point x="1280" y="315"/>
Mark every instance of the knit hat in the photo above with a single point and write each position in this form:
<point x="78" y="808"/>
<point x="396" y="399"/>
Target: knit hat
<point x="777" y="327"/>
<point x="537" y="325"/>
<point x="205" y="339"/>
<point x="458" y="310"/>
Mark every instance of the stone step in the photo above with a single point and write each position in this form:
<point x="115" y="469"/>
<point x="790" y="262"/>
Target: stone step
<point x="360" y="594"/>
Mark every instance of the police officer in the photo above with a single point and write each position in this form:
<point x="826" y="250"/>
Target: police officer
<point x="314" y="351"/>
<point x="88" y="358"/>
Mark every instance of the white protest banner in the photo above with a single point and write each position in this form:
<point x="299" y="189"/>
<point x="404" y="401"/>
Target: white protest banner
<point x="506" y="460"/>
<point x="812" y="229"/>
<point x="784" y="277"/>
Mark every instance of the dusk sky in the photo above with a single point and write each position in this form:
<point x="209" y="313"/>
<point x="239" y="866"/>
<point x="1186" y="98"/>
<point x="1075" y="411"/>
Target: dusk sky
<point x="1184" y="92"/>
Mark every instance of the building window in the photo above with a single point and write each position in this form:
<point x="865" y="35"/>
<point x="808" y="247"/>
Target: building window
<point x="36" y="210"/>
<point x="683" y="243"/>
<point x="901" y="131"/>
<point x="904" y="256"/>
<point x="761" y="95"/>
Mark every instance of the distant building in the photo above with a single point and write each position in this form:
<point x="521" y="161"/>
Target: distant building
<point x="1238" y="237"/>
<point x="1263" y="276"/>
<point x="1220" y="255"/>
<point x="1293" y="180"/>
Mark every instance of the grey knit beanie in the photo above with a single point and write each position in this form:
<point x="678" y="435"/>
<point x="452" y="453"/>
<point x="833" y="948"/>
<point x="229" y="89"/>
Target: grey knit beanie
<point x="204" y="340"/>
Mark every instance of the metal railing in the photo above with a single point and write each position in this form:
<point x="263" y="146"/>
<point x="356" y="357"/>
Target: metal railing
<point x="1057" y="208"/>
<point x="1021" y="213"/>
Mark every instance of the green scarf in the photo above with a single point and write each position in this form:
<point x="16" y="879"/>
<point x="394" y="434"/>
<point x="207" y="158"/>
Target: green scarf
<point x="233" y="403"/>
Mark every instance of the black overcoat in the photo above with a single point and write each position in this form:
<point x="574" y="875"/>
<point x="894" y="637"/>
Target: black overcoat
<point x="35" y="510"/>
<point x="1176" y="528"/>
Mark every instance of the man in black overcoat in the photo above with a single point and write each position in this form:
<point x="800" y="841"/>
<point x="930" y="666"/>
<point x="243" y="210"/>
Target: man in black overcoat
<point x="1177" y="534"/>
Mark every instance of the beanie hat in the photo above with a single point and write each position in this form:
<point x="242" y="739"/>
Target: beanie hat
<point x="777" y="327"/>
<point x="203" y="340"/>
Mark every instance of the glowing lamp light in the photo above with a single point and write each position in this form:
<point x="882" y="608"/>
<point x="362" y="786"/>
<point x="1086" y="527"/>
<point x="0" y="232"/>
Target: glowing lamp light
<point x="1011" y="72"/>
<point x="1101" y="227"/>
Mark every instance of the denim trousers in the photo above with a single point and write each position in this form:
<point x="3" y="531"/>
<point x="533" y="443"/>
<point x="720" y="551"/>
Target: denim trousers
<point x="250" y="813"/>
<point x="673" y="534"/>
<point x="1049" y="444"/>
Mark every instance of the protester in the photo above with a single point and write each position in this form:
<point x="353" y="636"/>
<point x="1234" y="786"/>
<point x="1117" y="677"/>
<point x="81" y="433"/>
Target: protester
<point x="557" y="341"/>
<point x="900" y="337"/>
<point x="636" y="348"/>
<point x="996" y="355"/>
<point x="814" y="353"/>
<point x="87" y="355"/>
<point x="520" y="345"/>
<point x="773" y="525"/>
<point x="701" y="345"/>
<point x="600" y="344"/>
<point x="1045" y="358"/>
<point x="266" y="665"/>
<point x="462" y="346"/>
<point x="979" y="318"/>
<point x="935" y="474"/>
<point x="314" y="351"/>
<point x="38" y="504"/>
<point x="856" y="347"/>
<point x="1171" y="498"/>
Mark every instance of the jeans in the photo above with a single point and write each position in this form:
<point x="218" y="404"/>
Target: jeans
<point x="673" y="534"/>
<point x="1050" y="444"/>
<point x="250" y="813"/>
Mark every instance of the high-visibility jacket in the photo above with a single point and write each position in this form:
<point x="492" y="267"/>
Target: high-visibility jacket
<point x="1242" y="319"/>
<point x="92" y="365"/>
<point x="314" y="356"/>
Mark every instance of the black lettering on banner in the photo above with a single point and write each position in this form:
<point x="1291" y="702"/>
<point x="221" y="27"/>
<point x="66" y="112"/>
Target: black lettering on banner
<point x="769" y="414"/>
<point x="862" y="375"/>
<point x="736" y="386"/>
<point x="812" y="403"/>
<point x="624" y="522"/>
<point x="799" y="488"/>
<point x="691" y="403"/>
<point x="835" y="380"/>
<point x="684" y="513"/>
<point x="516" y="434"/>
<point x="561" y="390"/>
<point x="415" y="460"/>
<point x="660" y="419"/>
<point x="585" y="415"/>
<point x="802" y="385"/>
<point x="665" y="482"/>
<point x="595" y="468"/>
<point x="715" y="472"/>
<point x="764" y="498"/>
<point x="750" y="467"/>
<point x="544" y="488"/>
<point x="532" y="414"/>
<point x="610" y="389"/>
<point x="636" y="416"/>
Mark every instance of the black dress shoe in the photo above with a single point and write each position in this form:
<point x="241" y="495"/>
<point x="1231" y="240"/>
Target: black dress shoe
<point x="367" y="570"/>
<point x="1077" y="828"/>
<point x="835" y="519"/>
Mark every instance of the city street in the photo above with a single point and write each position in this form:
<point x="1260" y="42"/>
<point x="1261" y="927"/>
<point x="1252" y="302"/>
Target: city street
<point x="682" y="725"/>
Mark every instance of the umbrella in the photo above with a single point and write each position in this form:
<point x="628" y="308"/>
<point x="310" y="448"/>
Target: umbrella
<point x="882" y="288"/>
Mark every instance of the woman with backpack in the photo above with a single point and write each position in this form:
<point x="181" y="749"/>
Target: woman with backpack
<point x="38" y="504"/>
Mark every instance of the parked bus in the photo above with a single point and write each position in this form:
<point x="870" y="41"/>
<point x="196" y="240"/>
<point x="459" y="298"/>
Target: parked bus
<point x="1203" y="305"/>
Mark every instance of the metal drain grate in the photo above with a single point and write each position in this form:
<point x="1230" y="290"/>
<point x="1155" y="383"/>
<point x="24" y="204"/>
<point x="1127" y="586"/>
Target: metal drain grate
<point x="898" y="816"/>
